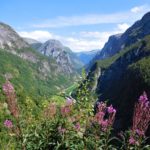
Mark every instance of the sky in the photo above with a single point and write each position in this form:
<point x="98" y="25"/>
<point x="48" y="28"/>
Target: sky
<point x="82" y="25"/>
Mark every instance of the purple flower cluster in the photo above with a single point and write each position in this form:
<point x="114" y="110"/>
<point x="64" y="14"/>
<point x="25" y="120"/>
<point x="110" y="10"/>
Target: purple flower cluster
<point x="110" y="109"/>
<point x="65" y="110"/>
<point x="143" y="98"/>
<point x="132" y="141"/>
<point x="69" y="101"/>
<point x="77" y="126"/>
<point x="8" y="88"/>
<point x="8" y="123"/>
<point x="9" y="91"/>
<point x="141" y="119"/>
<point x="100" y="116"/>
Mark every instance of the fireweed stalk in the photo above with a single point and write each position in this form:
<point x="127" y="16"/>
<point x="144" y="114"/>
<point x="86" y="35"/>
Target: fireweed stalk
<point x="105" y="123"/>
<point x="9" y="91"/>
<point x="105" y="117"/>
<point x="141" y="120"/>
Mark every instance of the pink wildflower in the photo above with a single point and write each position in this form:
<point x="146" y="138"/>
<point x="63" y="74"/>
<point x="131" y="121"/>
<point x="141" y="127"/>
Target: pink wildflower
<point x="69" y="101"/>
<point x="65" y="110"/>
<point x="140" y="133"/>
<point x="101" y="107"/>
<point x="11" y="99"/>
<point x="132" y="141"/>
<point x="141" y="117"/>
<point x="99" y="117"/>
<point x="143" y="98"/>
<point x="111" y="118"/>
<point x="77" y="126"/>
<point x="8" y="123"/>
<point x="110" y="109"/>
<point x="8" y="88"/>
<point x="104" y="125"/>
<point x="147" y="104"/>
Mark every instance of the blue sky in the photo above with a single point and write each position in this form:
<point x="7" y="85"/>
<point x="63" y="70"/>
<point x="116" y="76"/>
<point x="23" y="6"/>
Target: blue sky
<point x="81" y="25"/>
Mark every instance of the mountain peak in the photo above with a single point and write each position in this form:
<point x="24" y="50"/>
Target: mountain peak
<point x="119" y="41"/>
<point x="54" y="43"/>
<point x="56" y="50"/>
<point x="9" y="39"/>
<point x="146" y="17"/>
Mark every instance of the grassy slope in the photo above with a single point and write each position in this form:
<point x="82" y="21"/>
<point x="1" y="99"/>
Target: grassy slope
<point x="27" y="79"/>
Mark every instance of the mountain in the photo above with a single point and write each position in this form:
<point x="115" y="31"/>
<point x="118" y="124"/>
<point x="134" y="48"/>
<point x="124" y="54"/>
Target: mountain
<point x="110" y="48"/>
<point x="33" y="43"/>
<point x="32" y="73"/>
<point x="86" y="57"/>
<point x="122" y="70"/>
<point x="55" y="49"/>
<point x="63" y="55"/>
<point x="9" y="39"/>
<point x="125" y="80"/>
<point x="118" y="42"/>
<point x="76" y="62"/>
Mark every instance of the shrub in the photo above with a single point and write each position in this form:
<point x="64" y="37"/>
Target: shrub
<point x="71" y="125"/>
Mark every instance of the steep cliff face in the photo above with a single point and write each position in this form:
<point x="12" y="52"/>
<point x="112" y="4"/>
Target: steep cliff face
<point x="123" y="81"/>
<point x="110" y="48"/>
<point x="62" y="54"/>
<point x="137" y="31"/>
<point x="93" y="76"/>
<point x="55" y="49"/>
<point x="75" y="61"/>
<point x="118" y="42"/>
<point x="124" y="65"/>
<point x="9" y="39"/>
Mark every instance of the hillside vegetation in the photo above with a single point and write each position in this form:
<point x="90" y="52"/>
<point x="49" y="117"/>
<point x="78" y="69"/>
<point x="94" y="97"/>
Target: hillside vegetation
<point x="28" y="77"/>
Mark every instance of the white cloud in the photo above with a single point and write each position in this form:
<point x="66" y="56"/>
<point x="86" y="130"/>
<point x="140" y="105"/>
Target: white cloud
<point x="95" y="34"/>
<point x="78" y="44"/>
<point x="95" y="40"/>
<point x="75" y="43"/>
<point x="92" y="19"/>
<point x="136" y="9"/>
<point x="140" y="9"/>
<point x="78" y="41"/>
<point x="37" y="35"/>
<point x="122" y="27"/>
<point x="86" y="40"/>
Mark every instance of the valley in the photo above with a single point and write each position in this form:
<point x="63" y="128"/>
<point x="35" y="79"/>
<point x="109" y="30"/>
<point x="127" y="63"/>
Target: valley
<point x="75" y="85"/>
